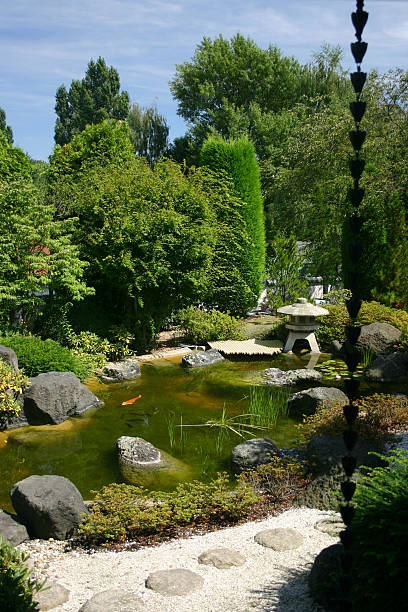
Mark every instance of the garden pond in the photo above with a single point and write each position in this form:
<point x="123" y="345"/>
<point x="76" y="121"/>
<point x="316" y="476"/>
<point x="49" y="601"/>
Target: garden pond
<point x="172" y="398"/>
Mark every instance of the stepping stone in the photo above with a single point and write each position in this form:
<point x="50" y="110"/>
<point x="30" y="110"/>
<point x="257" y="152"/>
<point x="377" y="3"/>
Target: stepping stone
<point x="332" y="526"/>
<point x="222" y="558"/>
<point x="174" y="582"/>
<point x="279" y="539"/>
<point x="55" y="595"/>
<point x="113" y="600"/>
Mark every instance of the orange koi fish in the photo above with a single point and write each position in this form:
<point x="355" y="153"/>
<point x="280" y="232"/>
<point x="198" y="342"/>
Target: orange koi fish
<point x="131" y="401"/>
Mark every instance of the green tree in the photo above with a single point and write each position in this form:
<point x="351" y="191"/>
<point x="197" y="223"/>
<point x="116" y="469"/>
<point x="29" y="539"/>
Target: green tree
<point x="147" y="236"/>
<point x="36" y="254"/>
<point x="284" y="263"/>
<point x="237" y="159"/>
<point x="148" y="132"/>
<point x="6" y="129"/>
<point x="14" y="163"/>
<point x="91" y="100"/>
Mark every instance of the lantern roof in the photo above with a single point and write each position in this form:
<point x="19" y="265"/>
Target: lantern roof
<point x="303" y="308"/>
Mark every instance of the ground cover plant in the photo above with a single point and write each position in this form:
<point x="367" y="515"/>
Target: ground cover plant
<point x="17" y="587"/>
<point x="124" y="512"/>
<point x="379" y="415"/>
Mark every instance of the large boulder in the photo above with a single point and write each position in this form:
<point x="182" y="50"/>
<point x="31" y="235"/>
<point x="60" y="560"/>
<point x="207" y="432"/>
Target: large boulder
<point x="51" y="506"/>
<point x="251" y="453"/>
<point x="53" y="397"/>
<point x="8" y="355"/>
<point x="325" y="453"/>
<point x="387" y="368"/>
<point x="142" y="464"/>
<point x="309" y="400"/>
<point x="290" y="378"/>
<point x="120" y="371"/>
<point x="380" y="338"/>
<point x="11" y="529"/>
<point x="202" y="358"/>
<point x="324" y="578"/>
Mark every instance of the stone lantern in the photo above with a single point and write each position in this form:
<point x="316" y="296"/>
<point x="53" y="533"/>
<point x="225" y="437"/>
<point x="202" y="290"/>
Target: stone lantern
<point x="302" y="323"/>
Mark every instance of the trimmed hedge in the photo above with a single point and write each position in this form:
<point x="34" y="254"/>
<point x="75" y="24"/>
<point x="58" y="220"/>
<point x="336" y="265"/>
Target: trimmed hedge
<point x="36" y="356"/>
<point x="238" y="160"/>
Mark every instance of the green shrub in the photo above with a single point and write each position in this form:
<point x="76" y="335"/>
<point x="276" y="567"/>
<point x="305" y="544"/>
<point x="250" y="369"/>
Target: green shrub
<point x="37" y="356"/>
<point x="379" y="415"/>
<point x="12" y="384"/>
<point x="123" y="511"/>
<point x="204" y="326"/>
<point x="332" y="325"/>
<point x="17" y="588"/>
<point x="380" y="529"/>
<point x="280" y="480"/>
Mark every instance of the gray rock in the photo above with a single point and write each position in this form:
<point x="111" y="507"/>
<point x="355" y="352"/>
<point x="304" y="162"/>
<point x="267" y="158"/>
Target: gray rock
<point x="336" y="347"/>
<point x="136" y="450"/>
<point x="290" y="378"/>
<point x="113" y="600"/>
<point x="142" y="464"/>
<point x="325" y="453"/>
<point x="222" y="558"/>
<point x="50" y="506"/>
<point x="387" y="368"/>
<point x="324" y="578"/>
<point x="55" y="595"/>
<point x="332" y="526"/>
<point x="310" y="400"/>
<point x="202" y="358"/>
<point x="120" y="370"/>
<point x="8" y="355"/>
<point x="53" y="397"/>
<point x="279" y="539"/>
<point x="251" y="453"/>
<point x="380" y="338"/>
<point x="11" y="530"/>
<point x="174" y="582"/>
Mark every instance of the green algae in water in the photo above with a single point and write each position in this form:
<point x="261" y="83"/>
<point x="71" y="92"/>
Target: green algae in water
<point x="84" y="449"/>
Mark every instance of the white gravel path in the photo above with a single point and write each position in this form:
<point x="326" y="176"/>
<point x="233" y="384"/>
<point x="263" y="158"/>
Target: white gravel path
<point x="268" y="580"/>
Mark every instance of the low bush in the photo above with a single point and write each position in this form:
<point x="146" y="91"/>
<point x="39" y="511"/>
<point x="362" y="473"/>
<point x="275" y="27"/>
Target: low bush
<point x="125" y="512"/>
<point x="379" y="415"/>
<point x="281" y="480"/>
<point x="332" y="326"/>
<point x="17" y="588"/>
<point x="203" y="326"/>
<point x="380" y="530"/>
<point x="12" y="384"/>
<point x="37" y="356"/>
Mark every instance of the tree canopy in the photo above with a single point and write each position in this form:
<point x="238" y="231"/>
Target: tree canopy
<point x="91" y="100"/>
<point x="148" y="132"/>
<point x="6" y="129"/>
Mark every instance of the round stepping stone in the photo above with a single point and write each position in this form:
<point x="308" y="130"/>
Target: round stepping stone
<point x="279" y="539"/>
<point x="113" y="600"/>
<point x="55" y="595"/>
<point x="222" y="558"/>
<point x="332" y="526"/>
<point x="174" y="582"/>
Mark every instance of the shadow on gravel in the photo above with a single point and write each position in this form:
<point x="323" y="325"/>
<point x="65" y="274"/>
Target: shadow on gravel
<point x="289" y="594"/>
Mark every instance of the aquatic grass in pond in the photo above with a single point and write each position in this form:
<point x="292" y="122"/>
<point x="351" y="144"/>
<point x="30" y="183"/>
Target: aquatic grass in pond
<point x="171" y="429"/>
<point x="266" y="405"/>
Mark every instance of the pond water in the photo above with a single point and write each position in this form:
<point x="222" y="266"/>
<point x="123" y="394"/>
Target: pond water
<point x="83" y="449"/>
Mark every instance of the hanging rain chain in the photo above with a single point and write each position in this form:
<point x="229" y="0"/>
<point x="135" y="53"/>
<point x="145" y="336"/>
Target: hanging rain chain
<point x="355" y="223"/>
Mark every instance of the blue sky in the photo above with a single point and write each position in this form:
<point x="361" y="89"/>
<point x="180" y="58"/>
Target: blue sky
<point x="46" y="43"/>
